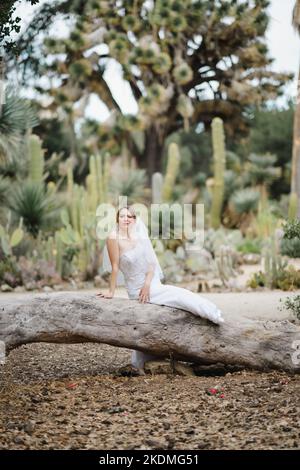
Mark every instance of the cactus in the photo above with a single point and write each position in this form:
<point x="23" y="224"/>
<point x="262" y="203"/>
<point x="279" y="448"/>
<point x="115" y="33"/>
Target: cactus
<point x="218" y="139"/>
<point x="106" y="176"/>
<point x="224" y="264"/>
<point x="77" y="209"/>
<point x="36" y="159"/>
<point x="59" y="253"/>
<point x="172" y="170"/>
<point x="83" y="258"/>
<point x="92" y="184"/>
<point x="70" y="181"/>
<point x="293" y="206"/>
<point x="157" y="185"/>
<point x="9" y="240"/>
<point x="97" y="180"/>
<point x="49" y="249"/>
<point x="51" y="187"/>
<point x="274" y="265"/>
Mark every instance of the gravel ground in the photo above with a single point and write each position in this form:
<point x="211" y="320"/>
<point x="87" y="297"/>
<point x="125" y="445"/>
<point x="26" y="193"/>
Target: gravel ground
<point x="73" y="397"/>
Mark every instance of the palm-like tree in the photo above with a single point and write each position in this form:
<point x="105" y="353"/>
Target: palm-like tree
<point x="295" y="183"/>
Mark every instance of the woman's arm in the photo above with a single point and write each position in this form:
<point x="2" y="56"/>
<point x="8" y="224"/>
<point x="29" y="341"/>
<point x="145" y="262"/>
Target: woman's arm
<point x="113" y="252"/>
<point x="144" y="295"/>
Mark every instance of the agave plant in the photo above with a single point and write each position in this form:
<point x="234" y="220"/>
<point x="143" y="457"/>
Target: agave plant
<point x="16" y="117"/>
<point x="245" y="200"/>
<point x="36" y="206"/>
<point x="131" y="184"/>
<point x="262" y="170"/>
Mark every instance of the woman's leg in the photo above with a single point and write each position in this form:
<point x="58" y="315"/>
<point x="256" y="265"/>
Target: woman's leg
<point x="179" y="297"/>
<point x="138" y="359"/>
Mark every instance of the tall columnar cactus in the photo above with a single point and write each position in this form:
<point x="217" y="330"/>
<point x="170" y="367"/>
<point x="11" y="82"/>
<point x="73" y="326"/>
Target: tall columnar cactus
<point x="92" y="183"/>
<point x="97" y="180"/>
<point x="59" y="253"/>
<point x="219" y="156"/>
<point x="172" y="171"/>
<point x="49" y="248"/>
<point x="293" y="206"/>
<point x="36" y="159"/>
<point x="106" y="176"/>
<point x="70" y="181"/>
<point x="74" y="207"/>
<point x="157" y="185"/>
<point x="274" y="264"/>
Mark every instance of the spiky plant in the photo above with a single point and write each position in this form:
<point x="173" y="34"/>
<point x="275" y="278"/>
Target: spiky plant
<point x="4" y="190"/>
<point x="16" y="117"/>
<point x="37" y="207"/>
<point x="262" y="169"/>
<point x="245" y="200"/>
<point x="130" y="184"/>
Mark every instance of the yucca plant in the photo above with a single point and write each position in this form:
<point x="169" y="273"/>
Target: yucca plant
<point x="4" y="190"/>
<point x="16" y="117"/>
<point x="36" y="206"/>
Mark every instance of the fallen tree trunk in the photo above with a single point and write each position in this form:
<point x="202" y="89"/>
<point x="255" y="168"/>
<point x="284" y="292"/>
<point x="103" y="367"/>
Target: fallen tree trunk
<point x="164" y="331"/>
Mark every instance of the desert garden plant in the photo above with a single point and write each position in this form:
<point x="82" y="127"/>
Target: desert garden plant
<point x="290" y="243"/>
<point x="36" y="206"/>
<point x="293" y="304"/>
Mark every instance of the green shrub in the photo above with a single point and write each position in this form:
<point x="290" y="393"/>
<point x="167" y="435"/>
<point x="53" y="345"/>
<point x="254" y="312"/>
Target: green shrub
<point x="37" y="207"/>
<point x="293" y="304"/>
<point x="290" y="243"/>
<point x="250" y="246"/>
<point x="290" y="248"/>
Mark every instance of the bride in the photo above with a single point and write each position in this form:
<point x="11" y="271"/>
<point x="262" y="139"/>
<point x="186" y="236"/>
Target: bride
<point x="130" y="258"/>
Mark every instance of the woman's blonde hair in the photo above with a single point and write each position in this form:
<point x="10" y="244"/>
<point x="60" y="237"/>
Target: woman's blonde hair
<point x="129" y="208"/>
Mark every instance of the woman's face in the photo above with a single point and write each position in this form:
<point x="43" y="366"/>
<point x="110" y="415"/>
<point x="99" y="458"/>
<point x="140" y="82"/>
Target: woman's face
<point x="126" y="219"/>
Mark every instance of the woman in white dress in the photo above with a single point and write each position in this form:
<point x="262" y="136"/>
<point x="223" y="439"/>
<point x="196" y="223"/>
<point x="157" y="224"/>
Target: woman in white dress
<point x="131" y="259"/>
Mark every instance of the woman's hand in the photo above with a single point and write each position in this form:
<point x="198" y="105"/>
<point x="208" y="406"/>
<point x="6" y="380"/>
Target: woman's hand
<point x="144" y="295"/>
<point x="105" y="296"/>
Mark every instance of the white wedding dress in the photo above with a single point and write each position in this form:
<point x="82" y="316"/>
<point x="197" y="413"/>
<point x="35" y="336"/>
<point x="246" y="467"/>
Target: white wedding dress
<point x="134" y="265"/>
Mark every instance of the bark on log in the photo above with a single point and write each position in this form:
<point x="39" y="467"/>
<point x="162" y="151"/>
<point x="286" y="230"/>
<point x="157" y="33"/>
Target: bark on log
<point x="164" y="331"/>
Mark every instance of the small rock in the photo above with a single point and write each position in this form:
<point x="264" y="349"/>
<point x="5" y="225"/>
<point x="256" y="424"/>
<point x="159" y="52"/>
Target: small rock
<point x="58" y="287"/>
<point x="19" y="289"/>
<point x="6" y="288"/>
<point x="156" y="443"/>
<point x="29" y="427"/>
<point x="251" y="258"/>
<point x="47" y="289"/>
<point x="18" y="440"/>
<point x="189" y="431"/>
<point x="30" y="285"/>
